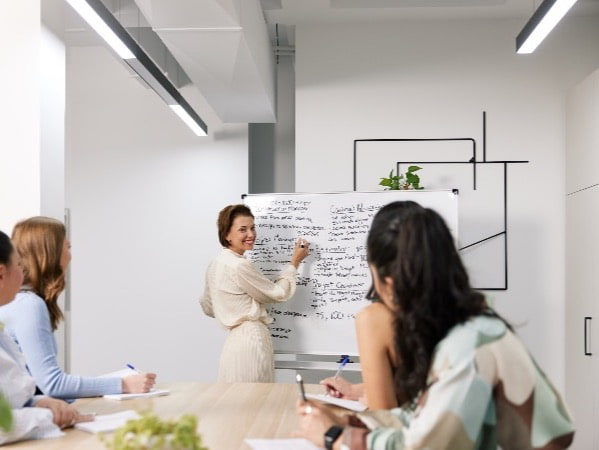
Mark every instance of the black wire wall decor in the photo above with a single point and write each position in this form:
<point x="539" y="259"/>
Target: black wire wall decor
<point x="472" y="161"/>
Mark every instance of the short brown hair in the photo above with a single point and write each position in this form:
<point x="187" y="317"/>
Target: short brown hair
<point x="39" y="241"/>
<point x="226" y="218"/>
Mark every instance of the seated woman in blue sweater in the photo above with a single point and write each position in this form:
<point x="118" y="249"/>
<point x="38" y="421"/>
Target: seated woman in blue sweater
<point x="33" y="416"/>
<point x="34" y="314"/>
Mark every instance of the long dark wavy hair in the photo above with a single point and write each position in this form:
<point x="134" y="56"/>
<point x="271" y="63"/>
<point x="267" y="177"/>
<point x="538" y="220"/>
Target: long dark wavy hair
<point x="431" y="291"/>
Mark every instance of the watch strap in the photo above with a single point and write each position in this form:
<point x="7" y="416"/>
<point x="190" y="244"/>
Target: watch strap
<point x="331" y="435"/>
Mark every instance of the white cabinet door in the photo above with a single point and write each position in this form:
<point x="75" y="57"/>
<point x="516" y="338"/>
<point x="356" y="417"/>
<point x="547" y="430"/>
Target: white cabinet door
<point x="582" y="318"/>
<point x="582" y="134"/>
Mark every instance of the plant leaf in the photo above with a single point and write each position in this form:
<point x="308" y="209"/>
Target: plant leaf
<point x="413" y="179"/>
<point x="5" y="414"/>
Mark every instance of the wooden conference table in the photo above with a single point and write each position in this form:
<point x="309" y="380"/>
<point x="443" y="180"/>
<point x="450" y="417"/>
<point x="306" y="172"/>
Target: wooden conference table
<point x="227" y="413"/>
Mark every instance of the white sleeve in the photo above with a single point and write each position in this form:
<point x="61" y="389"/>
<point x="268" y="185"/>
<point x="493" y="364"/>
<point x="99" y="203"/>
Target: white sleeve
<point x="261" y="289"/>
<point x="206" y="300"/>
<point x="30" y="423"/>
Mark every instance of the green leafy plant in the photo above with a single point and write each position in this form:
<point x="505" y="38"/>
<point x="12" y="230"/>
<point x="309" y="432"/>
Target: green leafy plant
<point x="5" y="414"/>
<point x="151" y="433"/>
<point x="408" y="180"/>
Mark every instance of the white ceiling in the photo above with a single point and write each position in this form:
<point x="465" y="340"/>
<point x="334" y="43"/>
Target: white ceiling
<point x="293" y="12"/>
<point x="223" y="45"/>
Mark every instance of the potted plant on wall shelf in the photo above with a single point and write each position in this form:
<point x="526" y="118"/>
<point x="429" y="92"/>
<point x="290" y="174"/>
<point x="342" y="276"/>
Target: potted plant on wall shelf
<point x="408" y="180"/>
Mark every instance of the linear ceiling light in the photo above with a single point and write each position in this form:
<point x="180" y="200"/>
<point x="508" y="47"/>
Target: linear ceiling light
<point x="105" y="24"/>
<point x="544" y="19"/>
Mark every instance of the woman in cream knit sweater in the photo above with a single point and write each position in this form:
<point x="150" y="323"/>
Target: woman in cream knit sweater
<point x="236" y="293"/>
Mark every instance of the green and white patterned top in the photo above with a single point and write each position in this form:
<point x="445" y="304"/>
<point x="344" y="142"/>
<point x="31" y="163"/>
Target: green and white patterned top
<point x="484" y="390"/>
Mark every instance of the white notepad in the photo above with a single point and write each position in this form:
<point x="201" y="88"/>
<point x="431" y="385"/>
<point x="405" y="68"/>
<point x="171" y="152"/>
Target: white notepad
<point x="107" y="422"/>
<point x="125" y="373"/>
<point x="352" y="405"/>
<point x="152" y="393"/>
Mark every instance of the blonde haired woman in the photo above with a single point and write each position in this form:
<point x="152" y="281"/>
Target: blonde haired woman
<point x="33" y="416"/>
<point x="35" y="314"/>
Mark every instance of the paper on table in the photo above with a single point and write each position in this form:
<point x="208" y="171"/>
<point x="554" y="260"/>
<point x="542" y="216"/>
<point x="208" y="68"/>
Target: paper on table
<point x="107" y="422"/>
<point x="125" y="373"/>
<point x="281" y="444"/>
<point x="352" y="405"/>
<point x="152" y="393"/>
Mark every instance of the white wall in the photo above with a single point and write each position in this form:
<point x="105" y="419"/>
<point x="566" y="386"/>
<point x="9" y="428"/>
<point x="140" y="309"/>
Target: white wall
<point x="52" y="129"/>
<point x="52" y="82"/>
<point x="424" y="80"/>
<point x="32" y="117"/>
<point x="20" y="36"/>
<point x="144" y="193"/>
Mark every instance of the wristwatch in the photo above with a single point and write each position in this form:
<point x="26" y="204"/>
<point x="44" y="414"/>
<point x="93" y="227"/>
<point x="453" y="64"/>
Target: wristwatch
<point x="331" y="436"/>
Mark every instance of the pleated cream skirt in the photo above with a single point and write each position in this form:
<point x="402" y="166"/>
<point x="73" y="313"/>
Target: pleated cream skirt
<point x="247" y="355"/>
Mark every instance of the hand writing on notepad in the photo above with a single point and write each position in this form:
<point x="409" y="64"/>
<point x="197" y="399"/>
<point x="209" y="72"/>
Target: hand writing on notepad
<point x="138" y="382"/>
<point x="341" y="388"/>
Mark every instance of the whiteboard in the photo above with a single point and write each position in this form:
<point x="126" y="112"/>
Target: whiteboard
<point x="334" y="278"/>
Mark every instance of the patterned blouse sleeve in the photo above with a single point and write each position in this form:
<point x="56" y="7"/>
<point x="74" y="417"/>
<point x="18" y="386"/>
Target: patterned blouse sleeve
<point x="452" y="413"/>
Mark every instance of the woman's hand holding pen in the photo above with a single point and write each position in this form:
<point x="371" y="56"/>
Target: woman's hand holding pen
<point x="341" y="388"/>
<point x="138" y="383"/>
<point x="315" y="420"/>
<point x="300" y="251"/>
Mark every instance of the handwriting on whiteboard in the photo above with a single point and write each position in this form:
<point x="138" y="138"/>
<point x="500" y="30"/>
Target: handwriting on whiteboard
<point x="333" y="280"/>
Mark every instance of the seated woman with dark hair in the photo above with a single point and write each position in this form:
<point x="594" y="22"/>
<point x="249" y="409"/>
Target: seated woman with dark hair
<point x="468" y="380"/>
<point x="33" y="416"/>
<point x="378" y="357"/>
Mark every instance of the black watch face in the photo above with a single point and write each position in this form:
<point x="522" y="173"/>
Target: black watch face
<point x="331" y="436"/>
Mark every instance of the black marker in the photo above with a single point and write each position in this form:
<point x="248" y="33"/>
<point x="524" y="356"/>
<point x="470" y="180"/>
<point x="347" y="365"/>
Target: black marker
<point x="300" y="382"/>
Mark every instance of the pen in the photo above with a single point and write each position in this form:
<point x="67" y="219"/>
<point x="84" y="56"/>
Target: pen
<point x="344" y="361"/>
<point x="130" y="366"/>
<point x="300" y="382"/>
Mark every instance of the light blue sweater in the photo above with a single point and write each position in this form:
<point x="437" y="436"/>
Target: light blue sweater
<point x="28" y="322"/>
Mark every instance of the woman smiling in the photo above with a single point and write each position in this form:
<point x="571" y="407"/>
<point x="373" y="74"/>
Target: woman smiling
<point x="236" y="293"/>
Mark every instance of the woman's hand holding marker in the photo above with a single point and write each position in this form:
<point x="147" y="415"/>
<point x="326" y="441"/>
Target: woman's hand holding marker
<point x="300" y="251"/>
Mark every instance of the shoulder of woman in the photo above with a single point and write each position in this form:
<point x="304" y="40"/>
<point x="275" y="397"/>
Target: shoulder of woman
<point x="244" y="265"/>
<point x="29" y="301"/>
<point x="488" y="326"/>
<point x="376" y="311"/>
<point x="463" y="339"/>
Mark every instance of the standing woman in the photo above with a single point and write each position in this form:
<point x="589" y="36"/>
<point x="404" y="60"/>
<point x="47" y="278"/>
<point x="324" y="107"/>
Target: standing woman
<point x="33" y="416"/>
<point x="34" y="315"/>
<point x="236" y="294"/>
